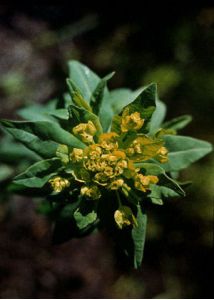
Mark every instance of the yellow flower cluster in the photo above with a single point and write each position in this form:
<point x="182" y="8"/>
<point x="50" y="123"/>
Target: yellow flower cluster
<point x="101" y="164"/>
<point x="108" y="164"/>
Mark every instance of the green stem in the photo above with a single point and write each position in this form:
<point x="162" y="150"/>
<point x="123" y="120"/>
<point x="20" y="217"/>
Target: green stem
<point x="118" y="199"/>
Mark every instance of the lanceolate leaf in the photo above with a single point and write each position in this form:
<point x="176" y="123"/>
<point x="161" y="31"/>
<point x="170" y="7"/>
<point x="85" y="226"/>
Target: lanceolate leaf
<point x="183" y="151"/>
<point x="45" y="149"/>
<point x="45" y="131"/>
<point x="98" y="93"/>
<point x="76" y="96"/>
<point x="38" y="174"/>
<point x="11" y="151"/>
<point x="178" y="123"/>
<point x="138" y="236"/>
<point x="158" y="116"/>
<point x="85" y="79"/>
<point x="37" y="112"/>
<point x="120" y="98"/>
<point x="106" y="113"/>
<point x="60" y="113"/>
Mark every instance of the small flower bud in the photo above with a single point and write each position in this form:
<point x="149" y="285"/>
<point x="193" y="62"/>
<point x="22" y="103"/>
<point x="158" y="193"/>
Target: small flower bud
<point x="58" y="184"/>
<point x="124" y="217"/>
<point x="91" y="192"/>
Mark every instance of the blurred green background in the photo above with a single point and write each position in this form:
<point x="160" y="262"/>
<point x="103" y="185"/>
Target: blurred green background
<point x="170" y="45"/>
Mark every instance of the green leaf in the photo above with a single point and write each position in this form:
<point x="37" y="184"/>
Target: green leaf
<point x="145" y="103"/>
<point x="120" y="98"/>
<point x="46" y="131"/>
<point x="106" y="113"/>
<point x="45" y="149"/>
<point x="11" y="151"/>
<point x="112" y="104"/>
<point x="99" y="92"/>
<point x="63" y="153"/>
<point x="178" y="123"/>
<point x="37" y="112"/>
<point x="84" y="221"/>
<point x="83" y="78"/>
<point x="158" y="116"/>
<point x="183" y="151"/>
<point x="79" y="115"/>
<point x="86" y="215"/>
<point x="158" y="193"/>
<point x="76" y="96"/>
<point x="60" y="113"/>
<point x="138" y="236"/>
<point x="37" y="175"/>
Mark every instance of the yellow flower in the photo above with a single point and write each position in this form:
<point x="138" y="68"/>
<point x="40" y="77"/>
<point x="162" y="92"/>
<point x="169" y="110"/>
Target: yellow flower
<point x="162" y="155"/>
<point x="76" y="155"/>
<point x="121" y="165"/>
<point x="130" y="151"/>
<point x="109" y="136"/>
<point x="94" y="151"/>
<point x="144" y="148"/>
<point x="108" y="141"/>
<point x="131" y="122"/>
<point x="91" y="192"/>
<point x="109" y="171"/>
<point x="142" y="182"/>
<point x="124" y="217"/>
<point x="119" y="154"/>
<point x="85" y="131"/>
<point x="58" y="184"/>
<point x="116" y="184"/>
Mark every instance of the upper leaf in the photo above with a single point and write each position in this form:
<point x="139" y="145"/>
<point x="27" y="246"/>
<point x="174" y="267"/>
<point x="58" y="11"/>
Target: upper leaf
<point x="178" y="123"/>
<point x="145" y="104"/>
<point x="183" y="151"/>
<point x="119" y="98"/>
<point x="76" y="95"/>
<point x="85" y="79"/>
<point x="158" y="116"/>
<point x="99" y="93"/>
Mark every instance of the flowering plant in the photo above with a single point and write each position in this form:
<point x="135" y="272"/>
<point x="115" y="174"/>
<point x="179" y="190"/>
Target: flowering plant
<point x="102" y="155"/>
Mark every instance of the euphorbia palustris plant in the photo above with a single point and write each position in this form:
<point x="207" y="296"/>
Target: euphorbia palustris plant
<point x="102" y="155"/>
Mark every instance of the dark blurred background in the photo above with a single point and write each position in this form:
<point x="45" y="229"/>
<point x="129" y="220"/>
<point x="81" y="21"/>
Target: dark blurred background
<point x="168" y="44"/>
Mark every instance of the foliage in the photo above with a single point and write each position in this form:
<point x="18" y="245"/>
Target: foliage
<point x="101" y="156"/>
